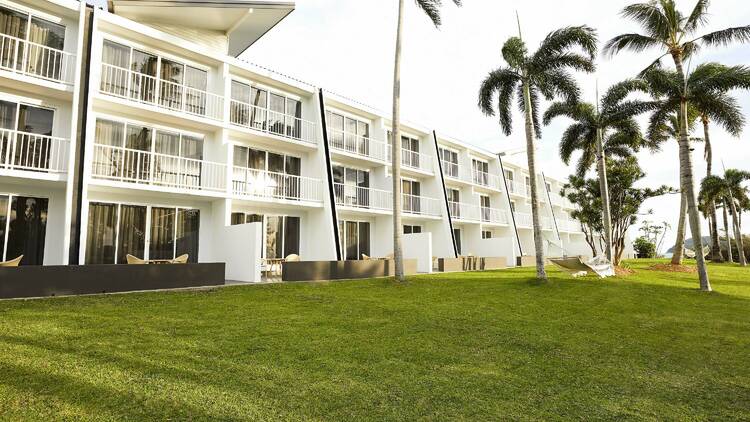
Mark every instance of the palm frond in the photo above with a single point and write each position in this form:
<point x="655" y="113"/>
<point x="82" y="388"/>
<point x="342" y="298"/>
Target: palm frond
<point x="580" y="112"/>
<point x="651" y="18"/>
<point x="432" y="9"/>
<point x="565" y="60"/>
<point x="698" y="17"/>
<point x="724" y="110"/>
<point x="514" y="52"/>
<point x="636" y="43"/>
<point x="501" y="81"/>
<point x="562" y="40"/>
<point x="571" y="140"/>
<point x="621" y="90"/>
<point x="726" y="36"/>
<point x="557" y="83"/>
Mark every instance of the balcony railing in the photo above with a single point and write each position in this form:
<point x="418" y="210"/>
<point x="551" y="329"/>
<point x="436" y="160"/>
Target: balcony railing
<point x="269" y="185"/>
<point x="571" y="226"/>
<point x="362" y="197"/>
<point x="421" y="205"/>
<point x="40" y="61"/>
<point x="486" y="179"/>
<point x="416" y="160"/>
<point x="494" y="215"/>
<point x="455" y="171"/>
<point x="269" y="121"/>
<point x="463" y="211"/>
<point x="31" y="152"/>
<point x="517" y="188"/>
<point x="358" y="145"/>
<point x="149" y="168"/>
<point x="142" y="88"/>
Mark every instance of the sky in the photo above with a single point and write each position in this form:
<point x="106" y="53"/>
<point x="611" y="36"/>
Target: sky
<point x="347" y="46"/>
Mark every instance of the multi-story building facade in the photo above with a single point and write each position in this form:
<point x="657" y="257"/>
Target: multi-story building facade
<point x="137" y="130"/>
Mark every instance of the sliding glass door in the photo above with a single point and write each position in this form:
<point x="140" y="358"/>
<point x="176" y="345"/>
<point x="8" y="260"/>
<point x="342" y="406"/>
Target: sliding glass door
<point x="282" y="233"/>
<point x="355" y="239"/>
<point x="23" y="228"/>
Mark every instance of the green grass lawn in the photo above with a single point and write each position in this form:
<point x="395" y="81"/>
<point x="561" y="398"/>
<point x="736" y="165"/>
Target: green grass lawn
<point x="473" y="346"/>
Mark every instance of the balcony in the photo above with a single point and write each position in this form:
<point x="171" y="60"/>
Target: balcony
<point x="416" y="160"/>
<point x="455" y="172"/>
<point x="420" y="205"/>
<point x="358" y="145"/>
<point x="476" y="213"/>
<point x="491" y="181"/>
<point x="362" y="197"/>
<point x="494" y="216"/>
<point x="524" y="220"/>
<point x="570" y="226"/>
<point x="261" y="184"/>
<point x="35" y="153"/>
<point x="126" y="165"/>
<point x="517" y="188"/>
<point x="268" y="121"/>
<point x="145" y="89"/>
<point x="36" y="60"/>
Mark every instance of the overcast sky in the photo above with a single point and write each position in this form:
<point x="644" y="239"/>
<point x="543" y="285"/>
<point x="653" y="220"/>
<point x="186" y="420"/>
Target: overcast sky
<point x="346" y="46"/>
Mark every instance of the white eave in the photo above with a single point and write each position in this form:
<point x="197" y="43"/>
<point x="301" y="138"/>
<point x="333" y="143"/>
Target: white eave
<point x="243" y="21"/>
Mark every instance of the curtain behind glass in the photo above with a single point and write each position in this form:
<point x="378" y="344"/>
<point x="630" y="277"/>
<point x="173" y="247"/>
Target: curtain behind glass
<point x="3" y="222"/>
<point x="131" y="234"/>
<point x="7" y="123"/>
<point x="274" y="240"/>
<point x="364" y="239"/>
<point x="40" y="60"/>
<point x="188" y="228"/>
<point x="100" y="238"/>
<point x="238" y="109"/>
<point x="351" y="240"/>
<point x="27" y="229"/>
<point x="116" y="54"/>
<point x="14" y="24"/>
<point x="291" y="236"/>
<point x="162" y="233"/>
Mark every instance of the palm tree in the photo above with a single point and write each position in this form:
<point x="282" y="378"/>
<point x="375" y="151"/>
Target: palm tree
<point x="674" y="33"/>
<point x="730" y="191"/>
<point x="432" y="9"/>
<point x="706" y="91"/>
<point x="529" y="76"/>
<point x="607" y="128"/>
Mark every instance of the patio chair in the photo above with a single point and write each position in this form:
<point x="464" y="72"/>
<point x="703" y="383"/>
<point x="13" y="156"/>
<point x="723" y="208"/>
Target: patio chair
<point x="133" y="260"/>
<point x="292" y="258"/>
<point x="12" y="263"/>
<point x="578" y="267"/>
<point x="182" y="259"/>
<point x="365" y="257"/>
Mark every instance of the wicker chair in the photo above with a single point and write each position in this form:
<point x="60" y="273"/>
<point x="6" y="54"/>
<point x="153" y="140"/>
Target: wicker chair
<point x="12" y="262"/>
<point x="182" y="259"/>
<point x="133" y="260"/>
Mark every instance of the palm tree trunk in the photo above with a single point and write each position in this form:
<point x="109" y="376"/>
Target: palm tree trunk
<point x="398" y="254"/>
<point x="604" y="192"/>
<point x="713" y="223"/>
<point x="729" y="237"/>
<point x="679" y="244"/>
<point x="541" y="274"/>
<point x="688" y="185"/>
<point x="737" y="233"/>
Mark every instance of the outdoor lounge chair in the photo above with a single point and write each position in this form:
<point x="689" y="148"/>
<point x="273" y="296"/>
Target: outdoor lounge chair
<point x="133" y="260"/>
<point x="365" y="257"/>
<point x="182" y="259"/>
<point x="578" y="267"/>
<point x="689" y="253"/>
<point x="12" y="263"/>
<point x="292" y="258"/>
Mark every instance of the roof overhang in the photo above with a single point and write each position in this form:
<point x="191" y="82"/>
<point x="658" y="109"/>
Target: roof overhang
<point x="243" y="21"/>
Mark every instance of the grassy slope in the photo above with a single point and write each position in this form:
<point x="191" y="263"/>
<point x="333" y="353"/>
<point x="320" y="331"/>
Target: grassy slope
<point x="459" y="346"/>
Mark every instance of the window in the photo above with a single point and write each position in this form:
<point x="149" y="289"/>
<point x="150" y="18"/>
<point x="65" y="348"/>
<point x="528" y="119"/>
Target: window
<point x="155" y="79"/>
<point x="118" y="230"/>
<point x="411" y="196"/>
<point x="264" y="173"/>
<point x="351" y="186"/>
<point x="23" y="228"/>
<point x="481" y="172"/>
<point x="486" y="234"/>
<point x="509" y="175"/>
<point x="131" y="152"/>
<point x="30" y="146"/>
<point x="549" y="187"/>
<point x="41" y="52"/>
<point x="411" y="229"/>
<point x="449" y="161"/>
<point x="454" y="199"/>
<point x="266" y="111"/>
<point x="355" y="239"/>
<point x="484" y="204"/>
<point x="457" y="240"/>
<point x="348" y="134"/>
<point x="409" y="150"/>
<point x="281" y="234"/>
<point x="512" y="206"/>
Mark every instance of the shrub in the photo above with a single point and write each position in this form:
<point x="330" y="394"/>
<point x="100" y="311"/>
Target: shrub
<point x="644" y="248"/>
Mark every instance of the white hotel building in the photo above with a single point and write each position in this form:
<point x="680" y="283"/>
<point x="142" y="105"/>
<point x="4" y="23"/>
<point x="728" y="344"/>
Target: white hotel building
<point x="138" y="131"/>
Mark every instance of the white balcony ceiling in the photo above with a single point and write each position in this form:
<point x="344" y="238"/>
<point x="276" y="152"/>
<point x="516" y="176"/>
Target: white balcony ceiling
<point x="244" y="21"/>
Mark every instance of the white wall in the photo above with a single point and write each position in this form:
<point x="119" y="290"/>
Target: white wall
<point x="239" y="247"/>
<point x="419" y="246"/>
<point x="496" y="248"/>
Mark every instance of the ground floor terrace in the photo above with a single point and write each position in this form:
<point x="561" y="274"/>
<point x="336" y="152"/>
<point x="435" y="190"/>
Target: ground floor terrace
<point x="471" y="346"/>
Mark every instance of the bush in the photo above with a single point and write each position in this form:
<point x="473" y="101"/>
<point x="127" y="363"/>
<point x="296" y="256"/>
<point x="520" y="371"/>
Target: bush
<point x="644" y="248"/>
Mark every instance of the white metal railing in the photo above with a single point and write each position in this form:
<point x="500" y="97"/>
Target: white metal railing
<point x="420" y="205"/>
<point x="494" y="215"/>
<point x="32" y="152"/>
<point x="523" y="220"/>
<point x="416" y="160"/>
<point x="362" y="197"/>
<point x="455" y="171"/>
<point x="464" y="211"/>
<point x="266" y="184"/>
<point x="142" y="88"/>
<point x="28" y="58"/>
<point x="358" y="145"/>
<point x="269" y="121"/>
<point x="517" y="188"/>
<point x="149" y="168"/>
<point x="571" y="226"/>
<point x="486" y="179"/>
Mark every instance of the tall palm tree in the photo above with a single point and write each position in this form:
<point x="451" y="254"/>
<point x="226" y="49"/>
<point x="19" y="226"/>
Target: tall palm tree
<point x="706" y="91"/>
<point x="529" y="76"/>
<point x="668" y="29"/>
<point x="729" y="189"/>
<point x="607" y="128"/>
<point x="432" y="9"/>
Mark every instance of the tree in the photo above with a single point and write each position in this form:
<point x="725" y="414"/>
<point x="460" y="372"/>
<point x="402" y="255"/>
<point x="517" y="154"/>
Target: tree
<point x="707" y="97"/>
<point x="627" y="200"/>
<point x="529" y="77"/>
<point x="644" y="247"/>
<point x="668" y="29"/>
<point x="734" y="195"/>
<point x="609" y="128"/>
<point x="432" y="9"/>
